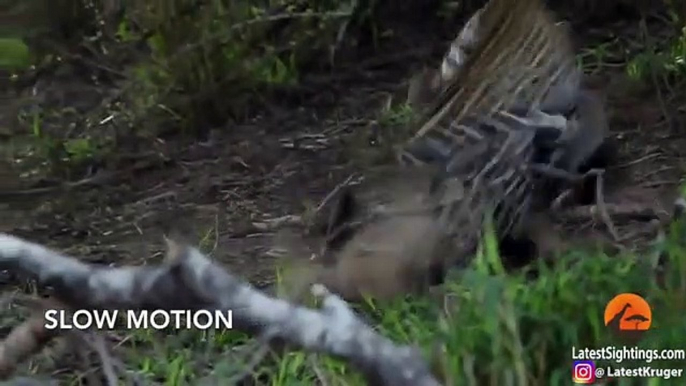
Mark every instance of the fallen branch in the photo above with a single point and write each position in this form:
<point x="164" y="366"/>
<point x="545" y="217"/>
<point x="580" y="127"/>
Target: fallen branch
<point x="190" y="280"/>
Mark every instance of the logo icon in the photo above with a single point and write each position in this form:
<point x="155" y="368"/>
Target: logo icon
<point x="583" y="372"/>
<point x="628" y="315"/>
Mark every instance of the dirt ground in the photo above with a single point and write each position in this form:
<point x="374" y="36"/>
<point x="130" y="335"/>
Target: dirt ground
<point x="279" y="163"/>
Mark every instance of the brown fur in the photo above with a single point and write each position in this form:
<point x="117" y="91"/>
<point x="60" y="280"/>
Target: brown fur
<point x="389" y="255"/>
<point x="386" y="259"/>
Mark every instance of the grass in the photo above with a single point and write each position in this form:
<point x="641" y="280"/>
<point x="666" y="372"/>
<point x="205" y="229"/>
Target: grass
<point x="488" y="327"/>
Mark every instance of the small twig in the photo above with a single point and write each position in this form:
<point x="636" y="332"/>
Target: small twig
<point x="551" y="171"/>
<point x="92" y="63"/>
<point x="561" y="199"/>
<point x="616" y="211"/>
<point x="333" y="193"/>
<point x="99" y="178"/>
<point x="276" y="223"/>
<point x="659" y="183"/>
<point x="97" y="343"/>
<point x="638" y="161"/>
<point x="600" y="201"/>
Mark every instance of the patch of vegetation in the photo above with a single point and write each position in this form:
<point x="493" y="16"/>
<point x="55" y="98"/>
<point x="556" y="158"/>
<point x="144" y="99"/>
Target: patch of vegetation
<point x="497" y="328"/>
<point x="207" y="60"/>
<point x="15" y="54"/>
<point x="489" y="327"/>
<point x="667" y="62"/>
<point x="175" y="67"/>
<point x="179" y="66"/>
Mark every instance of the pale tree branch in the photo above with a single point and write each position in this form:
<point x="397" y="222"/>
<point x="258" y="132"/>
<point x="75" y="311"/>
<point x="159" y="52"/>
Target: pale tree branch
<point x="189" y="280"/>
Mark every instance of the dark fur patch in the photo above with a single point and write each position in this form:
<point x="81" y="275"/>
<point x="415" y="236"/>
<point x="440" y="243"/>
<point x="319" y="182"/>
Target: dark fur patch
<point x="346" y="209"/>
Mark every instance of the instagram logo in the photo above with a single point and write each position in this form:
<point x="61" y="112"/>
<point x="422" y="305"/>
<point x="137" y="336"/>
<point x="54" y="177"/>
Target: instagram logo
<point x="583" y="372"/>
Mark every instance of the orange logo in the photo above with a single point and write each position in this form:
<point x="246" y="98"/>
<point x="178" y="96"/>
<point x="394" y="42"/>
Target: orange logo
<point x="627" y="313"/>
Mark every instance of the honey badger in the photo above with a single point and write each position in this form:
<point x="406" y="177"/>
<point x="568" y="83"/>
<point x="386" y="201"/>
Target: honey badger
<point x="478" y="128"/>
